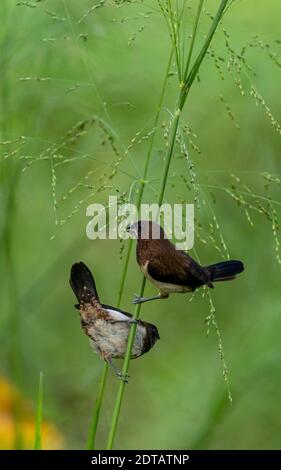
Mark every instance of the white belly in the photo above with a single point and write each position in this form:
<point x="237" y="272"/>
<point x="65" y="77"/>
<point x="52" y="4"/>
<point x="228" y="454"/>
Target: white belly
<point x="164" y="287"/>
<point x="111" y="339"/>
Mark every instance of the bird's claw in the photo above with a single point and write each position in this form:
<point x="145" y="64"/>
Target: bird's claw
<point x="137" y="299"/>
<point x="123" y="377"/>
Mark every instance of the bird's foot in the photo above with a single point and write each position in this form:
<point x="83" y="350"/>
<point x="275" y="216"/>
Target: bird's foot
<point x="123" y="377"/>
<point x="138" y="300"/>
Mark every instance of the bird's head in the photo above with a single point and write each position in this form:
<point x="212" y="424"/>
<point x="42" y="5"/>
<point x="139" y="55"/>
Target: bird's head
<point x="146" y="230"/>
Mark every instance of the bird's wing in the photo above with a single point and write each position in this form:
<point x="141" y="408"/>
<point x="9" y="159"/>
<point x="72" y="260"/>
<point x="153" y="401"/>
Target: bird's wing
<point x="117" y="311"/>
<point x="116" y="315"/>
<point x="178" y="269"/>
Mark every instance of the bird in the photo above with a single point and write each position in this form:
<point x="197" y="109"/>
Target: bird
<point x="172" y="270"/>
<point x="108" y="327"/>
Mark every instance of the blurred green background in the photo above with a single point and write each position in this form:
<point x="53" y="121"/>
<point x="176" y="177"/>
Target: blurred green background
<point x="58" y="68"/>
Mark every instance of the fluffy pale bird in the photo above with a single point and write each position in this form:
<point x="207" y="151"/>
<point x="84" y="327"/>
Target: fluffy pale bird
<point x="108" y="327"/>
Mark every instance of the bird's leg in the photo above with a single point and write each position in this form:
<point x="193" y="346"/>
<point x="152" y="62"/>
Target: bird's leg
<point x="140" y="300"/>
<point x="117" y="371"/>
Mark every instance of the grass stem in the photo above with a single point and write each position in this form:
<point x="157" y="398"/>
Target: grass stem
<point x="194" y="32"/>
<point x="121" y="389"/>
<point x="91" y="442"/>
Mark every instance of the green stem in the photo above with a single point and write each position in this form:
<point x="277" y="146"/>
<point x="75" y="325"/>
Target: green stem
<point x="39" y="413"/>
<point x="194" y="32"/>
<point x="205" y="47"/>
<point x="174" y="38"/>
<point x="93" y="429"/>
<point x="121" y="389"/>
<point x="180" y="104"/>
<point x="169" y="154"/>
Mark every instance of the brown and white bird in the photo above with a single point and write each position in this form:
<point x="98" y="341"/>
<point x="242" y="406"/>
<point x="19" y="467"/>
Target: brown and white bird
<point x="108" y="327"/>
<point x="172" y="270"/>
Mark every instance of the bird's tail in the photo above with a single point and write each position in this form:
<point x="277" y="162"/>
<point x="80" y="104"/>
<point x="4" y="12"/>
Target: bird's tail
<point x="82" y="283"/>
<point x="225" y="270"/>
